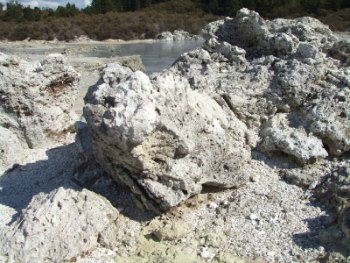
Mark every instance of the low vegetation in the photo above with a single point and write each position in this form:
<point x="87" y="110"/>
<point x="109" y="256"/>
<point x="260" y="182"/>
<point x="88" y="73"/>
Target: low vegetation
<point x="135" y="19"/>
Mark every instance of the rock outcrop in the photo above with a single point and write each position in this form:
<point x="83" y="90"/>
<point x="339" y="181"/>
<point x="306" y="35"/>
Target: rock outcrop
<point x="335" y="191"/>
<point x="280" y="135"/>
<point x="162" y="138"/>
<point x="35" y="103"/>
<point x="280" y="66"/>
<point x="278" y="86"/>
<point x="259" y="101"/>
<point x="177" y="35"/>
<point x="84" y="217"/>
<point x="35" y="115"/>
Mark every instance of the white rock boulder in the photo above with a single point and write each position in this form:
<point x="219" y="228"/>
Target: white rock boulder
<point x="60" y="226"/>
<point x="283" y="133"/>
<point x="162" y="138"/>
<point x="36" y="100"/>
<point x="193" y="125"/>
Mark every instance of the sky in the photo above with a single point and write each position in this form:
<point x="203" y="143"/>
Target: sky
<point x="50" y="3"/>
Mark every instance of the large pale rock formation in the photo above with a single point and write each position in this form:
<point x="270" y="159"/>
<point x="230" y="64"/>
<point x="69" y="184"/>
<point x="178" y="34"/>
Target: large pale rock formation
<point x="282" y="66"/>
<point x="35" y="103"/>
<point x="63" y="220"/>
<point x="177" y="35"/>
<point x="162" y="138"/>
<point x="255" y="85"/>
<point x="61" y="226"/>
<point x="276" y="85"/>
<point x="280" y="136"/>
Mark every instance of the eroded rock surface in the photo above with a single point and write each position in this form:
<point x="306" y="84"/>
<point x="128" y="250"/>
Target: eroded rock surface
<point x="336" y="191"/>
<point x="35" y="103"/>
<point x="281" y="66"/>
<point x="277" y="86"/>
<point x="162" y="138"/>
<point x="83" y="216"/>
<point x="281" y="133"/>
<point x="177" y="35"/>
<point x="220" y="116"/>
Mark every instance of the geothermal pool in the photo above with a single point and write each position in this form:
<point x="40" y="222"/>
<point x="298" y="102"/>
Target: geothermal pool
<point x="155" y="55"/>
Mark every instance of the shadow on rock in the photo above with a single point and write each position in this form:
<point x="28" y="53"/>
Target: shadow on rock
<point x="20" y="183"/>
<point x="91" y="176"/>
<point x="65" y="206"/>
<point x="277" y="160"/>
<point x="63" y="168"/>
<point x="326" y="234"/>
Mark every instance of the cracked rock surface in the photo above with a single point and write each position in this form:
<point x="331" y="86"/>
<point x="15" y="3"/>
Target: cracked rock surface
<point x="271" y="85"/>
<point x="35" y="103"/>
<point x="82" y="215"/>
<point x="171" y="139"/>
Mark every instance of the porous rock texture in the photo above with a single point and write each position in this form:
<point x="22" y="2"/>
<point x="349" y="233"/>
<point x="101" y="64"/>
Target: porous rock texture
<point x="254" y="83"/>
<point x="60" y="226"/>
<point x="261" y="100"/>
<point x="162" y="138"/>
<point x="277" y="87"/>
<point x="280" y="136"/>
<point x="35" y="103"/>
<point x="335" y="190"/>
<point x="177" y="35"/>
<point x="280" y="66"/>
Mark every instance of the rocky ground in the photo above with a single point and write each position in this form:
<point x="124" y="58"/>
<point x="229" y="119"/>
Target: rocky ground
<point x="77" y="54"/>
<point x="238" y="153"/>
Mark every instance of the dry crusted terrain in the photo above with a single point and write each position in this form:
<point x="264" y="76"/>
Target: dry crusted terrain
<point x="57" y="204"/>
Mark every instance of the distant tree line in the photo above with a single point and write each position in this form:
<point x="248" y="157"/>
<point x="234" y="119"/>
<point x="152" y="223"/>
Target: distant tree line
<point x="14" y="11"/>
<point x="104" y="6"/>
<point x="67" y="23"/>
<point x="273" y="8"/>
<point x="139" y="19"/>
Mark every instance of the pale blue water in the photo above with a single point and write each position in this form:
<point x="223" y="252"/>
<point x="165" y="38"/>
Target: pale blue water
<point x="156" y="56"/>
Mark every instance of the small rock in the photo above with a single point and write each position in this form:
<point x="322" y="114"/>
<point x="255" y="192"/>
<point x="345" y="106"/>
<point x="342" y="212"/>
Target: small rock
<point x="215" y="239"/>
<point x="255" y="178"/>
<point x="173" y="231"/>
<point x="82" y="215"/>
<point x="253" y="217"/>
<point x="207" y="253"/>
<point x="219" y="222"/>
<point x="212" y="205"/>
<point x="271" y="254"/>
